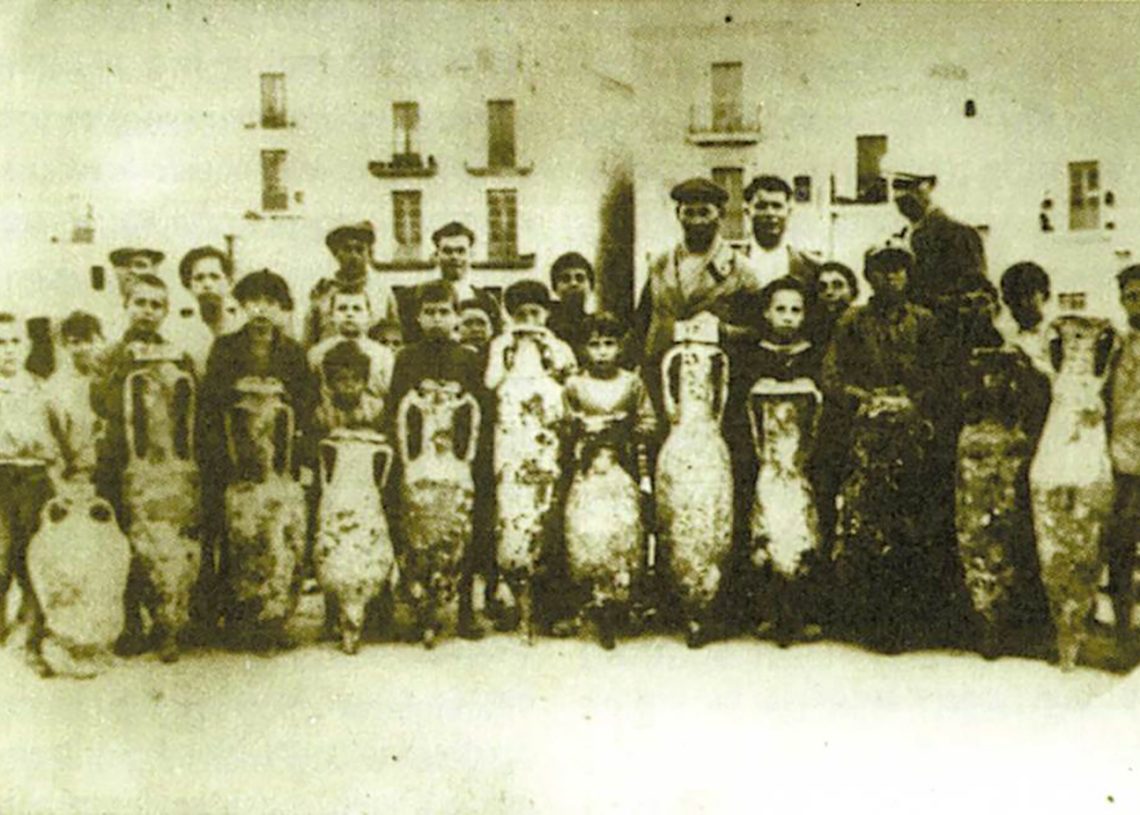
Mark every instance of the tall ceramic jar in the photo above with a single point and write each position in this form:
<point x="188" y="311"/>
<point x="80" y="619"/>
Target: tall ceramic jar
<point x="526" y="462"/>
<point x="1071" y="483"/>
<point x="265" y="513"/>
<point x="437" y="427"/>
<point x="353" y="553"/>
<point x="161" y="487"/>
<point x="694" y="479"/>
<point x="992" y="518"/>
<point x="784" y="522"/>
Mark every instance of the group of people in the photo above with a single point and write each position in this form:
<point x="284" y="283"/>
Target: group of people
<point x="780" y="313"/>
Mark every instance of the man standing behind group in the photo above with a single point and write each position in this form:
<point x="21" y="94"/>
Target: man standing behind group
<point x="702" y="274"/>
<point x="351" y="245"/>
<point x="206" y="274"/>
<point x="769" y="201"/>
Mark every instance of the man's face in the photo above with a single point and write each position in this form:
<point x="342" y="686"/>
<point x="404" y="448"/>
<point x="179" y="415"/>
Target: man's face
<point x="890" y="283"/>
<point x="453" y="254"/>
<point x="1130" y="299"/>
<point x="146" y="307"/>
<point x="834" y="291"/>
<point x="602" y="352"/>
<point x="785" y="313"/>
<point x="700" y="221"/>
<point x="437" y="321"/>
<point x="208" y="279"/>
<point x="352" y="256"/>
<point x="263" y="312"/>
<point x="769" y="217"/>
<point x="83" y="352"/>
<point x="532" y="315"/>
<point x="12" y="351"/>
<point x="474" y="327"/>
<point x="350" y="314"/>
<point x="572" y="285"/>
<point x="914" y="203"/>
<point x="346" y="386"/>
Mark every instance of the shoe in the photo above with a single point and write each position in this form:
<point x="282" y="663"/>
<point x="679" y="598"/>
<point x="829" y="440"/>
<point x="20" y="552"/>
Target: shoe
<point x="695" y="637"/>
<point x="428" y="638"/>
<point x="564" y="629"/>
<point x="471" y="630"/>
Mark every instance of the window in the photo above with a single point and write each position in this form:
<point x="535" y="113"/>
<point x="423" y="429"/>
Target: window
<point x="801" y="189"/>
<point x="1084" y="195"/>
<point x="727" y="90"/>
<point x="502" y="224"/>
<point x="871" y="186"/>
<point x="406" y="223"/>
<point x="274" y="195"/>
<point x="501" y="133"/>
<point x="732" y="179"/>
<point x="405" y="121"/>
<point x="273" y="100"/>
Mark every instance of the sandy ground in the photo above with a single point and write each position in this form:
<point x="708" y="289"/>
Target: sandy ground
<point x="565" y="727"/>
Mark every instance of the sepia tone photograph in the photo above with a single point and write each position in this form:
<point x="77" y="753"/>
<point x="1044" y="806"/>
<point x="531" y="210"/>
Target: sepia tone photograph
<point x="556" y="406"/>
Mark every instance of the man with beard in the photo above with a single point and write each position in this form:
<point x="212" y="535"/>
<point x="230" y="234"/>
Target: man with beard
<point x="207" y="274"/>
<point x="769" y="200"/>
<point x="572" y="280"/>
<point x="701" y="275"/>
<point x="351" y="245"/>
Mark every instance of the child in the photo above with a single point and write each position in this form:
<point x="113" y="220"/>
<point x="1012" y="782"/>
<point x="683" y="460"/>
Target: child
<point x="437" y="357"/>
<point x="389" y="334"/>
<point x="347" y="402"/>
<point x="528" y="306"/>
<point x="81" y="338"/>
<point x="476" y="326"/>
<point x="29" y="453"/>
<point x="607" y="409"/>
<point x="1124" y="447"/>
<point x="572" y="280"/>
<point x="351" y="315"/>
<point x="782" y="354"/>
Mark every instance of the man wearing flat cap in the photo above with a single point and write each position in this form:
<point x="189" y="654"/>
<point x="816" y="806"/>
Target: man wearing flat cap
<point x="701" y="274"/>
<point x="351" y="245"/>
<point x="453" y="242"/>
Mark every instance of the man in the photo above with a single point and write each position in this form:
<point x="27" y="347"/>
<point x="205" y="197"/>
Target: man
<point x="453" y="242"/>
<point x="351" y="245"/>
<point x="701" y="275"/>
<point x="206" y="274"/>
<point x="1025" y="293"/>
<point x="769" y="200"/>
<point x="949" y="258"/>
<point x="572" y="280"/>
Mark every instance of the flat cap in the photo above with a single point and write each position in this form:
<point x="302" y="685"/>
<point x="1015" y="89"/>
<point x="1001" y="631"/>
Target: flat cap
<point x="522" y="292"/>
<point x="450" y="230"/>
<point x="122" y="256"/>
<point x="361" y="231"/>
<point x="890" y="255"/>
<point x="699" y="190"/>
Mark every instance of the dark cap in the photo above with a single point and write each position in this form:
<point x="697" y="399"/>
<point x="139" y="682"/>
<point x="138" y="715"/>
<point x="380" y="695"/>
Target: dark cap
<point x="887" y="256"/>
<point x="450" y="230"/>
<point x="526" y="291"/>
<point x="905" y="182"/>
<point x="122" y="256"/>
<point x="699" y="190"/>
<point x="361" y="231"/>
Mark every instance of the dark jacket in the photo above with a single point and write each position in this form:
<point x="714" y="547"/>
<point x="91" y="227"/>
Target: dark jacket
<point x="949" y="260"/>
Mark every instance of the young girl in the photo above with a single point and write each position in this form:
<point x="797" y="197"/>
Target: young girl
<point x="610" y="420"/>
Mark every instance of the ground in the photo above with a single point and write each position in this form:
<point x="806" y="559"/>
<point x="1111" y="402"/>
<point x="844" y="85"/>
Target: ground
<point x="565" y="727"/>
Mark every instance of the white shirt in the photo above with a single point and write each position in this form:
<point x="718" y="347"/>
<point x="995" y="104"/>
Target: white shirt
<point x="770" y="264"/>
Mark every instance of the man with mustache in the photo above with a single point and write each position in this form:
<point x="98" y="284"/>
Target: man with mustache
<point x="703" y="274"/>
<point x="769" y="201"/>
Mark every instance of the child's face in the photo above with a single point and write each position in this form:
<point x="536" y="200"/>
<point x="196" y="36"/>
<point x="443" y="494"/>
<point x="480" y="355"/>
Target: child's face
<point x="82" y="352"/>
<point x="785" y="313"/>
<point x="264" y="312"/>
<point x="530" y="314"/>
<point x="346" y="385"/>
<point x="602" y="352"/>
<point x="391" y="337"/>
<point x="889" y="283"/>
<point x="437" y="320"/>
<point x="350" y="314"/>
<point x="1130" y="299"/>
<point x="12" y="352"/>
<point x="146" y="307"/>
<point x="208" y="277"/>
<point x="474" y="327"/>
<point x="834" y="289"/>
<point x="572" y="284"/>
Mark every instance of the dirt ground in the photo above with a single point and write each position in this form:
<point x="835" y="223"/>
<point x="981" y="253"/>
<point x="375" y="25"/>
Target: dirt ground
<point x="565" y="727"/>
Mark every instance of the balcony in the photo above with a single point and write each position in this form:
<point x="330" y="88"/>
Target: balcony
<point x="505" y="263"/>
<point x="500" y="170"/>
<point x="409" y="264"/>
<point x="723" y="125"/>
<point x="404" y="165"/>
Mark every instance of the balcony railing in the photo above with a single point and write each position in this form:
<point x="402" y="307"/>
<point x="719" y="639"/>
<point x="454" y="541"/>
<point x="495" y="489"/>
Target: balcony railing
<point x="515" y="169"/>
<point x="404" y="165"/>
<point x="506" y="263"/>
<point x="711" y="125"/>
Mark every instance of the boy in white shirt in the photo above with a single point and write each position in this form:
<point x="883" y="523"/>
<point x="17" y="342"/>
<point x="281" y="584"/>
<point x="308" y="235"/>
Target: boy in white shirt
<point x="352" y="316"/>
